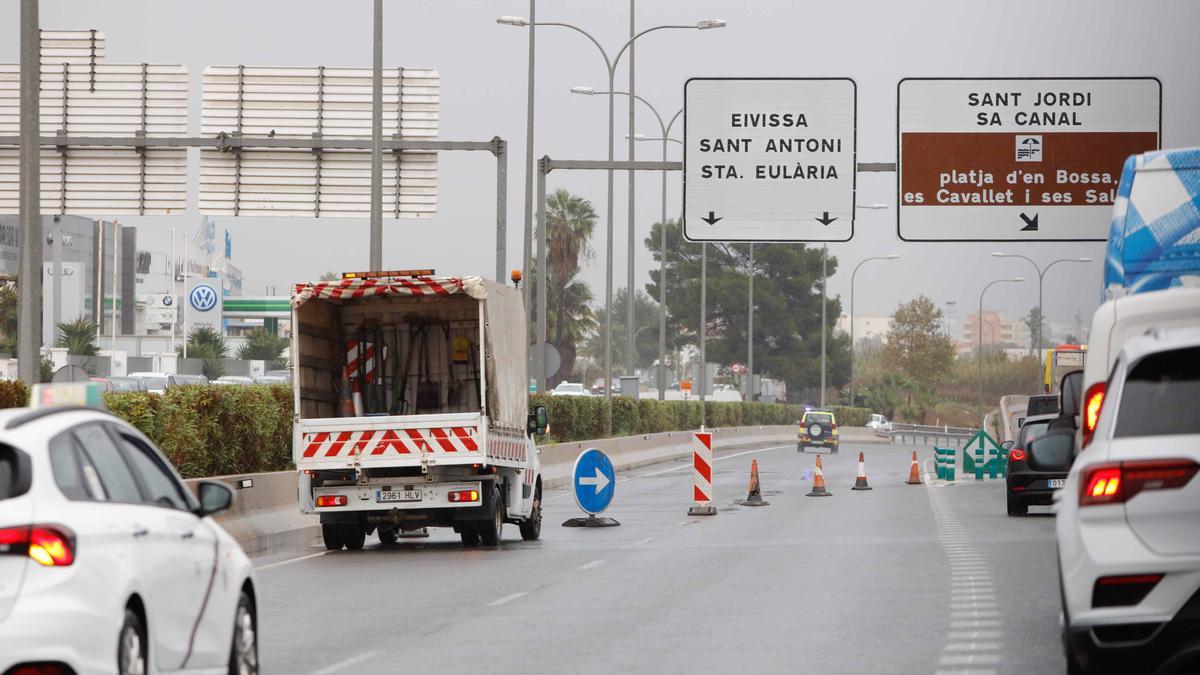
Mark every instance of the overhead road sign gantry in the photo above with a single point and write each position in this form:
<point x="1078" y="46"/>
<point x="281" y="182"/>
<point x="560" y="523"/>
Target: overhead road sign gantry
<point x="769" y="159"/>
<point x="1018" y="159"/>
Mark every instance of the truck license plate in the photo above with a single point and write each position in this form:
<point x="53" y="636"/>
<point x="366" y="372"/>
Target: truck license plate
<point x="397" y="495"/>
<point x="1056" y="483"/>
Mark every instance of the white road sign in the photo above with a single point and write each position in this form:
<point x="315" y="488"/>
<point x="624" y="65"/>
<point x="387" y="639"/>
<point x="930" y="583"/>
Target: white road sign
<point x="203" y="298"/>
<point x="769" y="159"/>
<point x="1011" y="159"/>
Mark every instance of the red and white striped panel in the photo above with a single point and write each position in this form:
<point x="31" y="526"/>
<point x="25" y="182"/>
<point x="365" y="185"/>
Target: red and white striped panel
<point x="506" y="445"/>
<point x="365" y="351"/>
<point x="702" y="463"/>
<point x="349" y="289"/>
<point x="436" y="440"/>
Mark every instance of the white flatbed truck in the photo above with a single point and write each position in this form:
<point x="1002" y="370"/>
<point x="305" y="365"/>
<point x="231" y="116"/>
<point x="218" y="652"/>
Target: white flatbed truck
<point x="411" y="408"/>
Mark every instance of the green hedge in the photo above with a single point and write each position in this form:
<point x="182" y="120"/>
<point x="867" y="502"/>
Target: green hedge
<point x="214" y="430"/>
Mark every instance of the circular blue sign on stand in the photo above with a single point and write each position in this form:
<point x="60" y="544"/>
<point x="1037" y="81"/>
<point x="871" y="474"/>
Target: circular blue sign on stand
<point x="594" y="480"/>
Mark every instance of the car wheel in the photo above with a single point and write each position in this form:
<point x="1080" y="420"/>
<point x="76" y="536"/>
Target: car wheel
<point x="531" y="527"/>
<point x="243" y="653"/>
<point x="354" y="535"/>
<point x="1016" y="508"/>
<point x="331" y="534"/>
<point x="490" y="530"/>
<point x="131" y="645"/>
<point x="469" y="535"/>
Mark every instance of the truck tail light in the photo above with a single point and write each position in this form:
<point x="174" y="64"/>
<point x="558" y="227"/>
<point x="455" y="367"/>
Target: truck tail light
<point x="48" y="545"/>
<point x="462" y="496"/>
<point x="331" y="500"/>
<point x="1093" y="401"/>
<point x="1117" y="483"/>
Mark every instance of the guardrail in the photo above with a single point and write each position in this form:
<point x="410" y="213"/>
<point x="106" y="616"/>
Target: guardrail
<point x="926" y="434"/>
<point x="265" y="515"/>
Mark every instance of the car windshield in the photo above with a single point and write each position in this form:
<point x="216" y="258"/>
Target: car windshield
<point x="154" y="382"/>
<point x="1160" y="395"/>
<point x="124" y="384"/>
<point x="1031" y="432"/>
<point x="819" y="418"/>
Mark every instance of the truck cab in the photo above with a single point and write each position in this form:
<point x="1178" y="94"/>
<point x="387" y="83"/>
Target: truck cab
<point x="411" y="409"/>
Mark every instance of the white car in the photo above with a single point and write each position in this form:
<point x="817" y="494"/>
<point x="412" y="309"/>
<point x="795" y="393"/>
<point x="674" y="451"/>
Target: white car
<point x="156" y="383"/>
<point x="569" y="389"/>
<point x="879" y="423"/>
<point x="108" y="564"/>
<point x="236" y="380"/>
<point x="1128" y="521"/>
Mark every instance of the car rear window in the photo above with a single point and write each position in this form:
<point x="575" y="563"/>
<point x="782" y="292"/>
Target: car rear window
<point x="819" y="418"/>
<point x="1160" y="395"/>
<point x="1042" y="405"/>
<point x="1032" y="431"/>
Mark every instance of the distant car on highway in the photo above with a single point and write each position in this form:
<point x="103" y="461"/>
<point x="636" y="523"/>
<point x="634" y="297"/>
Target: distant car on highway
<point x="181" y="379"/>
<point x="108" y="564"/>
<point x="818" y="429"/>
<point x="226" y="380"/>
<point x="1128" y="526"/>
<point x="879" y="423"/>
<point x="285" y="373"/>
<point x="126" y="384"/>
<point x="569" y="389"/>
<point x="271" y="379"/>
<point x="156" y="383"/>
<point x="1031" y="480"/>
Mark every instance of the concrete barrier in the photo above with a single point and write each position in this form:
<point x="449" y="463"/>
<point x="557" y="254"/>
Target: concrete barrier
<point x="265" y="515"/>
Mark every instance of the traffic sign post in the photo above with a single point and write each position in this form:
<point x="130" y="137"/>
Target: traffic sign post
<point x="769" y="159"/>
<point x="594" y="482"/>
<point x="1013" y="159"/>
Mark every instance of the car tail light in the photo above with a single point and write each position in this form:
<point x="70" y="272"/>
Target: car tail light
<point x="458" y="496"/>
<point x="331" y="500"/>
<point x="41" y="669"/>
<point x="1093" y="401"/>
<point x="1123" y="591"/>
<point x="1016" y="455"/>
<point x="48" y="545"/>
<point x="1116" y="483"/>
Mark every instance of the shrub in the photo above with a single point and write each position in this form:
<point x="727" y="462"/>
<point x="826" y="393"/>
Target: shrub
<point x="13" y="394"/>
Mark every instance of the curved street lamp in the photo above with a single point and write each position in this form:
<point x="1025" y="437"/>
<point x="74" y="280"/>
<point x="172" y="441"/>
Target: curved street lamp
<point x="893" y="256"/>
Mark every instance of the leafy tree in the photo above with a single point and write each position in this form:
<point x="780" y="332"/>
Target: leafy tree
<point x="207" y="344"/>
<point x="8" y="308"/>
<point x="330" y="276"/>
<point x="79" y="337"/>
<point x="916" y="344"/>
<point x="787" y="305"/>
<point x="1071" y="339"/>
<point x="261" y="345"/>
<point x="645" y="317"/>
<point x="1032" y="320"/>
<point x="570" y="221"/>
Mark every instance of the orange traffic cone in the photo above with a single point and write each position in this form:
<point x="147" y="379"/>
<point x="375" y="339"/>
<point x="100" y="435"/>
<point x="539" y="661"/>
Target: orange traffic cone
<point x="860" y="483"/>
<point x="818" y="484"/>
<point x="754" y="498"/>
<point x="914" y="473"/>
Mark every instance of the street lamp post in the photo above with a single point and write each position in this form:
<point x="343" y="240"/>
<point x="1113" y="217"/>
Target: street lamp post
<point x="1041" y="272"/>
<point x="979" y="316"/>
<point x="610" y="65"/>
<point x="853" y="274"/>
<point x="665" y="128"/>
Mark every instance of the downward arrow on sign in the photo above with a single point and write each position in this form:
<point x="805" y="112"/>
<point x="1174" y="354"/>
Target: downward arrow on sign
<point x="825" y="219"/>
<point x="600" y="481"/>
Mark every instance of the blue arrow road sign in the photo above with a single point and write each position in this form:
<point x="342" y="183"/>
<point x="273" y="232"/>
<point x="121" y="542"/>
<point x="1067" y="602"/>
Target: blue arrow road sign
<point x="595" y="481"/>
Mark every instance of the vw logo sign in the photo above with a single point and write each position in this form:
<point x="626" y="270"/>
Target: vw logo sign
<point x="203" y="298"/>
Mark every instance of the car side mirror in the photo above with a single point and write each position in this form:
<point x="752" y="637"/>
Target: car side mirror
<point x="539" y="420"/>
<point x="1007" y="445"/>
<point x="214" y="498"/>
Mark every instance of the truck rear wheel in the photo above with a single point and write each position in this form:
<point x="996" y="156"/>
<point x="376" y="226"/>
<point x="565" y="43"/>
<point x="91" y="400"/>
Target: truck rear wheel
<point x="331" y="533"/>
<point x="490" y="530"/>
<point x="531" y="527"/>
<point x="469" y="535"/>
<point x="354" y="535"/>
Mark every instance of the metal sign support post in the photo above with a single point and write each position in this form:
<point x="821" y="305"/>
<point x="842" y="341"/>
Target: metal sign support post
<point x="376" y="243"/>
<point x="545" y="166"/>
<point x="29" y="311"/>
<point x="750" y="331"/>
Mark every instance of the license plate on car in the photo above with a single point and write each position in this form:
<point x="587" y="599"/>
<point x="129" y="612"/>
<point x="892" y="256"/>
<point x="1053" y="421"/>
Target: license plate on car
<point x="1056" y="483"/>
<point x="397" y="495"/>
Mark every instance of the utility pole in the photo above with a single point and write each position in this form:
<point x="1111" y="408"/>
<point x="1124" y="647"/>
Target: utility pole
<point x="377" y="141"/>
<point x="527" y="255"/>
<point x="750" y="332"/>
<point x="824" y="295"/>
<point x="29" y="311"/>
<point x="631" y="357"/>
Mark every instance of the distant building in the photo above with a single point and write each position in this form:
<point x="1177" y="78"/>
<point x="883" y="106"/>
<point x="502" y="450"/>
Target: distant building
<point x="867" y="327"/>
<point x="997" y="332"/>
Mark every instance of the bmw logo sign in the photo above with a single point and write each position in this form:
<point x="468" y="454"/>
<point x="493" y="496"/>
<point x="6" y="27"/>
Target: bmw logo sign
<point x="167" y="301"/>
<point x="203" y="298"/>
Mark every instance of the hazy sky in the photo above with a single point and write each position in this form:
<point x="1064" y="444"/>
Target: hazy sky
<point x="483" y="67"/>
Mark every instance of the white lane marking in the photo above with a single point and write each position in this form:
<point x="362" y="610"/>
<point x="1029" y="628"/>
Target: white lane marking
<point x="506" y="599"/>
<point x="972" y="671"/>
<point x="342" y="665"/>
<point x="970" y="659"/>
<point x="594" y="563"/>
<point x="687" y="465"/>
<point x="975" y="613"/>
<point x="291" y="560"/>
<point x="973" y="635"/>
<point x="974" y="623"/>
<point x="972" y="646"/>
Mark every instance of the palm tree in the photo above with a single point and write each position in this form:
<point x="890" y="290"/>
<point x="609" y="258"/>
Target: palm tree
<point x="570" y="221"/>
<point x="261" y="345"/>
<point x="79" y="337"/>
<point x="207" y="344"/>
